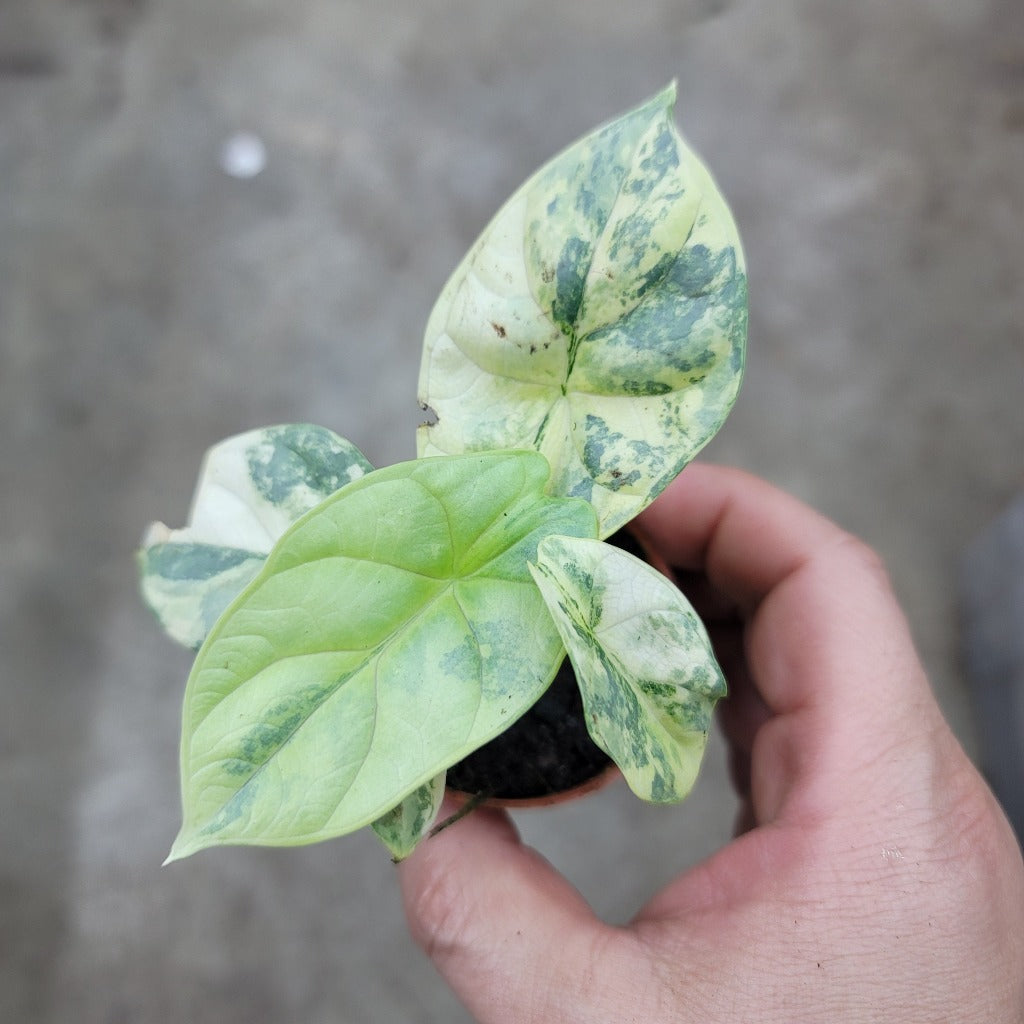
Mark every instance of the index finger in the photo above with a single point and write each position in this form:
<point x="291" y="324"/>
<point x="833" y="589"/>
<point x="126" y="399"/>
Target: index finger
<point x="823" y="625"/>
<point x="745" y="534"/>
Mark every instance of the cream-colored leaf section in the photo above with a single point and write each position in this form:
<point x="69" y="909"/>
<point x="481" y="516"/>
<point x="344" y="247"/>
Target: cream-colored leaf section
<point x="599" y="319"/>
<point x="643" y="660"/>
<point x="251" y="488"/>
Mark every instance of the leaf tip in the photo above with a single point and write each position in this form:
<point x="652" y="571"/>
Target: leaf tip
<point x="183" y="846"/>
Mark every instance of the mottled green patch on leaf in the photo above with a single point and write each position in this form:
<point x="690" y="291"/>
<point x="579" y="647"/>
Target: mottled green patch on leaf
<point x="175" y="562"/>
<point x="295" y="466"/>
<point x="645" y="667"/>
<point x="402" y="828"/>
<point x="251" y="488"/>
<point x="188" y="586"/>
<point x="604" y="306"/>
<point x="393" y="629"/>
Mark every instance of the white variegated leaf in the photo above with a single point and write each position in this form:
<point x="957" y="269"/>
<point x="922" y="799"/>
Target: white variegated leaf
<point x="402" y="828"/>
<point x="251" y="488"/>
<point x="645" y="667"/>
<point x="600" y="318"/>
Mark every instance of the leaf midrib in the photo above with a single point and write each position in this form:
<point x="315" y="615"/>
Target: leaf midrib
<point x="448" y="586"/>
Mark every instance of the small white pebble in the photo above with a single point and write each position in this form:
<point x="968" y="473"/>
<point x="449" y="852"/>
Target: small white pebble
<point x="243" y="155"/>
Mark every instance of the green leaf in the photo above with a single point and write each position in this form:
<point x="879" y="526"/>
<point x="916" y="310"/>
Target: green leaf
<point x="393" y="630"/>
<point x="643" y="660"/>
<point x="402" y="828"/>
<point x="600" y="318"/>
<point x="251" y="488"/>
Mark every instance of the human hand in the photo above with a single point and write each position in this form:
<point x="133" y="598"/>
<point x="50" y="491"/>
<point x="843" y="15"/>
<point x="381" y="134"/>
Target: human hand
<point x="874" y="878"/>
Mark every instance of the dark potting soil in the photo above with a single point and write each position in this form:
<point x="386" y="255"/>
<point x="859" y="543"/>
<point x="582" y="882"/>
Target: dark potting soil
<point x="545" y="752"/>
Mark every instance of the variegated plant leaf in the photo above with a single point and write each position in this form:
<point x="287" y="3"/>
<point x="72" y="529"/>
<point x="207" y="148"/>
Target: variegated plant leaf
<point x="393" y="629"/>
<point x="402" y="828"/>
<point x="645" y="666"/>
<point x="600" y="318"/>
<point x="251" y="488"/>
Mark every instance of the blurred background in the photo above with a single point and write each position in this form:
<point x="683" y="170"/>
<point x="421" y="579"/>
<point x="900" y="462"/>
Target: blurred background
<point x="220" y="216"/>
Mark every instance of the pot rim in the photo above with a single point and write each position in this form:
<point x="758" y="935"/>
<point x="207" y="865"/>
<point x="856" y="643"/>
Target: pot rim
<point x="596" y="782"/>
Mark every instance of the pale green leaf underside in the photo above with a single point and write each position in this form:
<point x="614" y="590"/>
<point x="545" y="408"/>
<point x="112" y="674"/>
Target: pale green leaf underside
<point x="648" y="676"/>
<point x="251" y="488"/>
<point x="401" y="828"/>
<point x="600" y="318"/>
<point x="393" y="630"/>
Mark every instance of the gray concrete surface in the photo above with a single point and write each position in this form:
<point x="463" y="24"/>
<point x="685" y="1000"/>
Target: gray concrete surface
<point x="150" y="304"/>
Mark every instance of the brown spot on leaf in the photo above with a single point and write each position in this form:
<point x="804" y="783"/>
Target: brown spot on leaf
<point x="499" y="330"/>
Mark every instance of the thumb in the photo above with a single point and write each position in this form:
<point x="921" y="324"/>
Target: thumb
<point x="514" y="940"/>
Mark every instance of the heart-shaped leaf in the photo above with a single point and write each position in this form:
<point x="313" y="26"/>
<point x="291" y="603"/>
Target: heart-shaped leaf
<point x="393" y="630"/>
<point x="645" y="666"/>
<point x="251" y="488"/>
<point x="600" y="318"/>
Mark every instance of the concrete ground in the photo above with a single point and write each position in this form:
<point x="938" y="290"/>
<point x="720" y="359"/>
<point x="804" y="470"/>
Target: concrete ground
<point x="151" y="303"/>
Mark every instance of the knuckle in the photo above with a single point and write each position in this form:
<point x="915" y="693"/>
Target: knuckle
<point x="864" y="558"/>
<point x="440" y="916"/>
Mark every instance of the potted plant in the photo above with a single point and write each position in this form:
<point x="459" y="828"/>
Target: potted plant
<point x="363" y="634"/>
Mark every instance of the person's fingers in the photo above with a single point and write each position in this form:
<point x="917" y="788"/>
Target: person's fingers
<point x="853" y="713"/>
<point x="510" y="935"/>
<point x="708" y="602"/>
<point x="825" y="610"/>
<point x="738" y="529"/>
<point x="828" y="650"/>
<point x="741" y="716"/>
